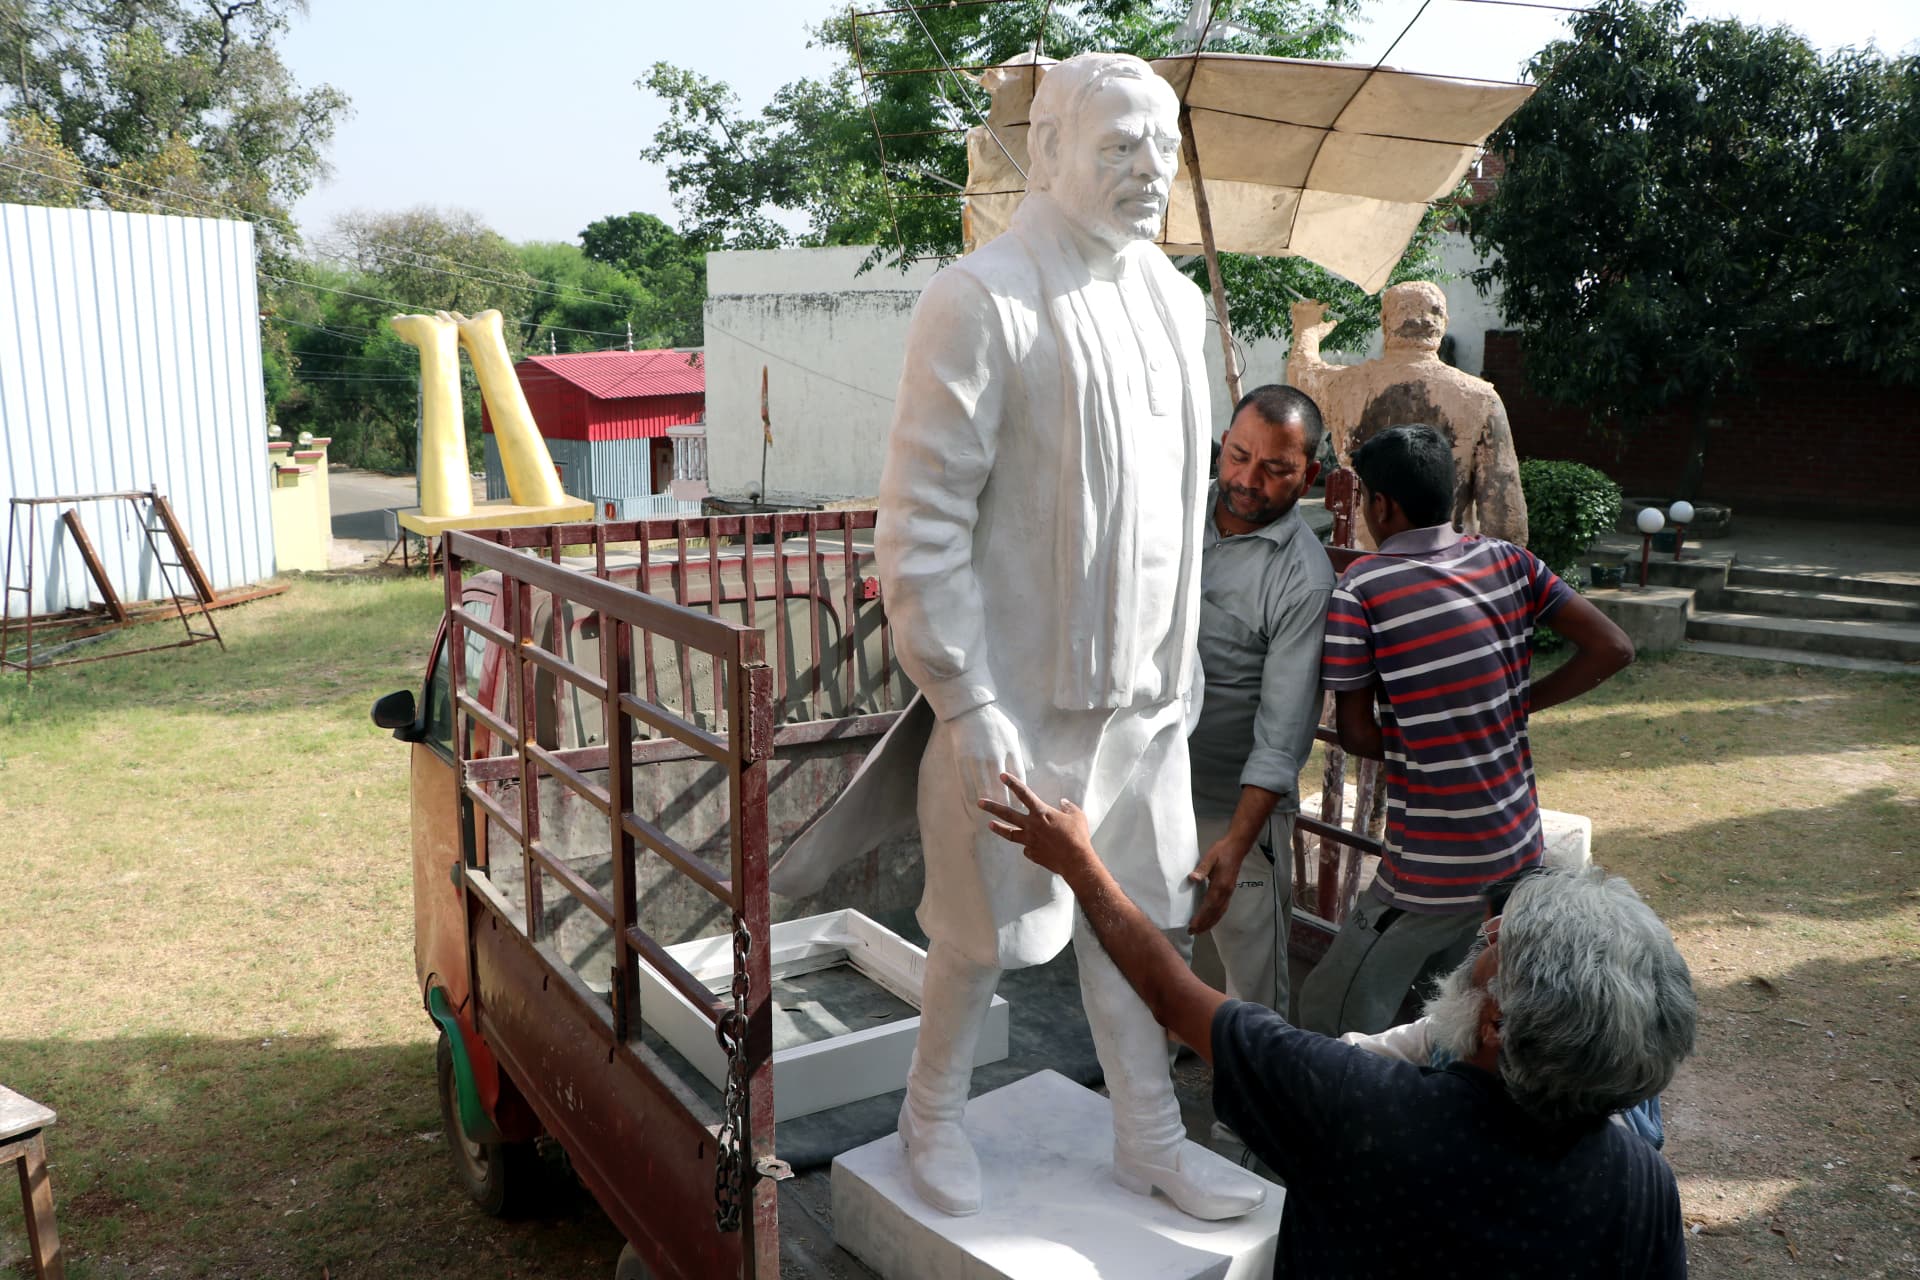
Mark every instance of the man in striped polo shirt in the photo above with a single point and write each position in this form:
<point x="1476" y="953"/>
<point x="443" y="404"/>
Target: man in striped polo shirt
<point x="1429" y="652"/>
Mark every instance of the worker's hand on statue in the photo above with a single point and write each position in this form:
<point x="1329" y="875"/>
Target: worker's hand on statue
<point x="1218" y="870"/>
<point x="986" y="744"/>
<point x="1057" y="839"/>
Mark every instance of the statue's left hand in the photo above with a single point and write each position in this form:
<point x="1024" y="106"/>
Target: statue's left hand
<point x="1057" y="839"/>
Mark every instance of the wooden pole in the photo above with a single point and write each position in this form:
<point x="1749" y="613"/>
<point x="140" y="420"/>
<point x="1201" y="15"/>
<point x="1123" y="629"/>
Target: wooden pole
<point x="1228" y="360"/>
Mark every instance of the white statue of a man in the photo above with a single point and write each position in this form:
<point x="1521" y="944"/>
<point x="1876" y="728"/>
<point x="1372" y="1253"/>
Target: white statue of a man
<point x="1038" y="545"/>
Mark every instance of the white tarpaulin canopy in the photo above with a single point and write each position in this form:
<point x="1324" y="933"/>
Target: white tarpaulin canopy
<point x="1333" y="162"/>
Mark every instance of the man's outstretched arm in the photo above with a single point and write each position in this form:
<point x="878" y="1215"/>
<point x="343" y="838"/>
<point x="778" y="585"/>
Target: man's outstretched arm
<point x="1058" y="840"/>
<point x="1600" y="651"/>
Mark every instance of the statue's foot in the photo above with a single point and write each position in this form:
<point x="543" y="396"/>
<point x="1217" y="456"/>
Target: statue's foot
<point x="940" y="1163"/>
<point x="1207" y="1191"/>
<point x="422" y="330"/>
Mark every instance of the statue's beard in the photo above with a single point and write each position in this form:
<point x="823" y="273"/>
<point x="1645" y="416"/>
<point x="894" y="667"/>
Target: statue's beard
<point x="1453" y="1012"/>
<point x="1096" y="209"/>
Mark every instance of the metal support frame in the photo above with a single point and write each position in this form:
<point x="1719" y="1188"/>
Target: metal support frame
<point x="157" y="519"/>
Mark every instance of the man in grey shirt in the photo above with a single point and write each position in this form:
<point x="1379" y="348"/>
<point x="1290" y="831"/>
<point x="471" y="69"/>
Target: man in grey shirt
<point x="1265" y="582"/>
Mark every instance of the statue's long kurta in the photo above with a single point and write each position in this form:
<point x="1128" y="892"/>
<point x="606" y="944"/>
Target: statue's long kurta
<point x="1038" y="542"/>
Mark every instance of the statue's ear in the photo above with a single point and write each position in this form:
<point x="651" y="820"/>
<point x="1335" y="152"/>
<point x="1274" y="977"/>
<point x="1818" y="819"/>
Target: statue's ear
<point x="1043" y="145"/>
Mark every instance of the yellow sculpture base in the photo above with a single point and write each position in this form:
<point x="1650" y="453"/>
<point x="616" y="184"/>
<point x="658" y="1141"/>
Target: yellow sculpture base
<point x="498" y="515"/>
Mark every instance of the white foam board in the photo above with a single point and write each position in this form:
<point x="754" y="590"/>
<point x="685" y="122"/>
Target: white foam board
<point x="829" y="1072"/>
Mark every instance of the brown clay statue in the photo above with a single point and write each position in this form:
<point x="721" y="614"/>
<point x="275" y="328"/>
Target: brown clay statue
<point x="1410" y="384"/>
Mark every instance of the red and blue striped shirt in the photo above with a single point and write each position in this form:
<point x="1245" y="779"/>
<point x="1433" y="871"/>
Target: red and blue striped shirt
<point x="1442" y="627"/>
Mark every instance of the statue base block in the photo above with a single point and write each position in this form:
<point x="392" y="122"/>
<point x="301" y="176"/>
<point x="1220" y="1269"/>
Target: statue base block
<point x="497" y="515"/>
<point x="1050" y="1207"/>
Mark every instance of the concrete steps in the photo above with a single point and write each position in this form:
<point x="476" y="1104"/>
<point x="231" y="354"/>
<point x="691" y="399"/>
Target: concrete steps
<point x="1849" y="637"/>
<point x="1868" y="586"/>
<point x="1794" y="603"/>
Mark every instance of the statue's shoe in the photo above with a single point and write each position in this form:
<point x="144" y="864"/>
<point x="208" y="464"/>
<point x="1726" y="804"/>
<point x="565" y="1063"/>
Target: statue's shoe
<point x="941" y="1164"/>
<point x="1207" y="1191"/>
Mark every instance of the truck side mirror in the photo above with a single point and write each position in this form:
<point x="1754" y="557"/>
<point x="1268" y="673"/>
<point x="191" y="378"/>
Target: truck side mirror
<point x="396" y="712"/>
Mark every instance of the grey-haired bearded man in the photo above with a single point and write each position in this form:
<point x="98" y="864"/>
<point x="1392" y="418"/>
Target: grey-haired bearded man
<point x="1577" y="1005"/>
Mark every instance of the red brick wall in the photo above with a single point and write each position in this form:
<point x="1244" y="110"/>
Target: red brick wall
<point x="1798" y="442"/>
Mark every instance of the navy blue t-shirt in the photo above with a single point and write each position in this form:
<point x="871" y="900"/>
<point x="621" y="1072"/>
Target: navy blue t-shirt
<point x="1398" y="1170"/>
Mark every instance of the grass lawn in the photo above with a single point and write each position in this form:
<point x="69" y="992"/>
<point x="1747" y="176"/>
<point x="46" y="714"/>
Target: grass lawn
<point x="206" y="953"/>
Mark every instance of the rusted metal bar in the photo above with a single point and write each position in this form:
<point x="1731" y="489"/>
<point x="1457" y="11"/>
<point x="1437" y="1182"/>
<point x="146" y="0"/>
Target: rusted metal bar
<point x="616" y="659"/>
<point x="663" y="719"/>
<point x="813" y="607"/>
<point x="559" y="666"/>
<point x="95" y="569"/>
<point x="500" y="729"/>
<point x="659" y="750"/>
<point x="577" y="782"/>
<point x="713" y="607"/>
<point x="752" y="722"/>
<point x="202" y="585"/>
<point x="849" y="620"/>
<point x="520" y="626"/>
<point x="498" y="812"/>
<point x="680" y="598"/>
<point x="646" y="635"/>
<point x="582" y="892"/>
<point x="675" y="973"/>
<point x="780" y="641"/>
<point x="678" y="856"/>
<point x="606" y="598"/>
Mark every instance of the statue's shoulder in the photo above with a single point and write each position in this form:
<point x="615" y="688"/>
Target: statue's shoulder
<point x="1002" y="266"/>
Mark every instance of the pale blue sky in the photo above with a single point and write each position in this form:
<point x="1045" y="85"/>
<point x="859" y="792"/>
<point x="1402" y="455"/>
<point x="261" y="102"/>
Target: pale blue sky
<point x="528" y="116"/>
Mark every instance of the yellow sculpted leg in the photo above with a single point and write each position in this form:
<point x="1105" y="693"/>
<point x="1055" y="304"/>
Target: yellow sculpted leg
<point x="523" y="452"/>
<point x="444" y="487"/>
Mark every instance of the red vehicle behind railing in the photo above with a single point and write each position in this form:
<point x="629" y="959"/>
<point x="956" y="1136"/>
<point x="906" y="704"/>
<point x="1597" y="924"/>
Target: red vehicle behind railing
<point x="544" y="876"/>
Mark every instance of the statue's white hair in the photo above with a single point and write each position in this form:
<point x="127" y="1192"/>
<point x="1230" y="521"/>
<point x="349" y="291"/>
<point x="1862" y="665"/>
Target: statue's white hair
<point x="1596" y="1004"/>
<point x="1063" y="94"/>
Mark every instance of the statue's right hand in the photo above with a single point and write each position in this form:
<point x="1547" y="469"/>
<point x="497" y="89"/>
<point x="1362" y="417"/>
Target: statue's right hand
<point x="986" y="744"/>
<point x="1308" y="317"/>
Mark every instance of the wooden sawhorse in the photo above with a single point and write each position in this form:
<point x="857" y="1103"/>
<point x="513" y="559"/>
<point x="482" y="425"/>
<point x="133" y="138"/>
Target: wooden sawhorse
<point x="22" y="1120"/>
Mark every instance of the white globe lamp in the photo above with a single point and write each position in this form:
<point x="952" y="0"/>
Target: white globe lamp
<point x="1650" y="520"/>
<point x="1681" y="512"/>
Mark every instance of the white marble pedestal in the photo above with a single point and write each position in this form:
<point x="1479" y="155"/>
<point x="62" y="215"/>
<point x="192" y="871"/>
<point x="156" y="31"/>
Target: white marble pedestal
<point x="1051" y="1210"/>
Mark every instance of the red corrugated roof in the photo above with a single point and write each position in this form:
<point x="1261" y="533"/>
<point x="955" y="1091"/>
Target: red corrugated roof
<point x="625" y="375"/>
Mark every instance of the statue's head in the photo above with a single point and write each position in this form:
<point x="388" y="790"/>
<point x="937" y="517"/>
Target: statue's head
<point x="1104" y="144"/>
<point x="1413" y="317"/>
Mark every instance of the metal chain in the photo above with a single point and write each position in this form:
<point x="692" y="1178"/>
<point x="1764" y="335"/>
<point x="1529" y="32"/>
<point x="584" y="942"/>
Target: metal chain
<point x="729" y="1167"/>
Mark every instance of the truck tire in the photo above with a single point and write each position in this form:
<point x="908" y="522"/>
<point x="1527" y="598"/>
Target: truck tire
<point x="502" y="1178"/>
<point x="630" y="1267"/>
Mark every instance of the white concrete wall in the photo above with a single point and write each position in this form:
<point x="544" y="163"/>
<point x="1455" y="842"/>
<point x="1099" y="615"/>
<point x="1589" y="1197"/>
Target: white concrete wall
<point x="832" y="341"/>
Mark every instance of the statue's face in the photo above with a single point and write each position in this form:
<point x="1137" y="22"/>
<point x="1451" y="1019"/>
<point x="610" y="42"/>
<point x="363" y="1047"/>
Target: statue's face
<point x="1115" y="173"/>
<point x="1413" y="316"/>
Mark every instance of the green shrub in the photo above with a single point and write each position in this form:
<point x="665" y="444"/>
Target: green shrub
<point x="1568" y="506"/>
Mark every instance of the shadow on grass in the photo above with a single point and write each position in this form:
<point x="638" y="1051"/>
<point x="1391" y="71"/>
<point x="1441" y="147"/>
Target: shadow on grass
<point x="1798" y="1109"/>
<point x="267" y="1157"/>
<point x="1830" y="863"/>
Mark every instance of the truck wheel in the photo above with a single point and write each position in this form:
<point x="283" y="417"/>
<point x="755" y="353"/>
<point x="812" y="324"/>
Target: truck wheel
<point x="630" y="1267"/>
<point x="501" y="1177"/>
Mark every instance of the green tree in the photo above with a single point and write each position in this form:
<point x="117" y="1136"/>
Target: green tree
<point x="170" y="104"/>
<point x="670" y="267"/>
<point x="811" y="155"/>
<point x="1684" y="198"/>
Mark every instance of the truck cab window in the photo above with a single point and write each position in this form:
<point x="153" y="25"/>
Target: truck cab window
<point x="439" y="683"/>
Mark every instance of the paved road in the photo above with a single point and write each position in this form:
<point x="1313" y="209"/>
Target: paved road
<point x="360" y="503"/>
